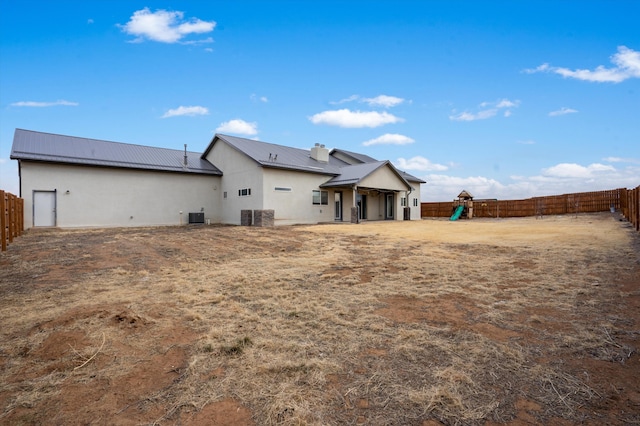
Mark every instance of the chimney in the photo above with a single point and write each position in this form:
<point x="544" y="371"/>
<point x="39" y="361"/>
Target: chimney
<point x="320" y="153"/>
<point x="186" y="161"/>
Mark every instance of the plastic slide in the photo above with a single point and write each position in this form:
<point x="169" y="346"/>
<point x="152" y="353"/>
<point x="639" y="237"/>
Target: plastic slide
<point x="456" y="214"/>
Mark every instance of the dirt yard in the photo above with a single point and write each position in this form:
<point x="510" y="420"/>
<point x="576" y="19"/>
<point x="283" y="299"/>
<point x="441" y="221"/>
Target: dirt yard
<point x="512" y="321"/>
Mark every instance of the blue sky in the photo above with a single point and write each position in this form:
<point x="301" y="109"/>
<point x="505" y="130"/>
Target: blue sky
<point x="506" y="99"/>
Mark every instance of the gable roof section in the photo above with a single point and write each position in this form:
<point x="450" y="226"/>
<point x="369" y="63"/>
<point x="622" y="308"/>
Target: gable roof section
<point x="355" y="157"/>
<point x="47" y="147"/>
<point x="354" y="174"/>
<point x="278" y="156"/>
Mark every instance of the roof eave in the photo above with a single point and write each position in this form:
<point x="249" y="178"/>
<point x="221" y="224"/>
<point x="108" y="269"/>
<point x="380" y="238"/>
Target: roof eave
<point x="187" y="170"/>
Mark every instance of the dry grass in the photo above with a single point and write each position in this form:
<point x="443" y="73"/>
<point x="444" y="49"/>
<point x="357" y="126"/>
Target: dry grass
<point x="380" y="323"/>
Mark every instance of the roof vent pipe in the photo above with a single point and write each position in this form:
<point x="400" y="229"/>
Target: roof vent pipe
<point x="186" y="162"/>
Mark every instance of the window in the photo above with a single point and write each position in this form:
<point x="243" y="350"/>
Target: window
<point x="282" y="189"/>
<point x="321" y="197"/>
<point x="415" y="202"/>
<point x="403" y="201"/>
<point x="244" y="192"/>
<point x="224" y="195"/>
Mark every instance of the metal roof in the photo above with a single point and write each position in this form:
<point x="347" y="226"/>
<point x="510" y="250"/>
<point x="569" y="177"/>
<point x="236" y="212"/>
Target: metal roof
<point x="411" y="178"/>
<point x="47" y="147"/>
<point x="353" y="174"/>
<point x="357" y="157"/>
<point x="279" y="156"/>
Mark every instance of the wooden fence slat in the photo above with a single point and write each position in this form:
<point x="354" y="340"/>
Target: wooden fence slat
<point x="3" y="219"/>
<point x="11" y="218"/>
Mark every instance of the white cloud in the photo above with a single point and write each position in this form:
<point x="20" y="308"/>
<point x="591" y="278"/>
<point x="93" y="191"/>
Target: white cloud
<point x="383" y="101"/>
<point x="527" y="142"/>
<point x="492" y="111"/>
<point x="539" y="68"/>
<point x="165" y="26"/>
<point x="389" y="139"/>
<point x="626" y="65"/>
<point x="554" y="180"/>
<point x="468" y="116"/>
<point x="572" y="170"/>
<point x="354" y="119"/>
<point x="256" y="98"/>
<point x="562" y="111"/>
<point x="196" y="42"/>
<point x="345" y="100"/>
<point x="239" y="127"/>
<point x="44" y="104"/>
<point x="506" y="103"/>
<point x="419" y="163"/>
<point x="186" y="110"/>
<point x="621" y="160"/>
<point x="441" y="187"/>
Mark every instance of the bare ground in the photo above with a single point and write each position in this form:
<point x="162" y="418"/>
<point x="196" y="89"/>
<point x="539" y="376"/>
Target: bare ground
<point x="516" y="321"/>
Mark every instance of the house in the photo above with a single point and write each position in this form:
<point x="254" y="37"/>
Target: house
<point x="77" y="182"/>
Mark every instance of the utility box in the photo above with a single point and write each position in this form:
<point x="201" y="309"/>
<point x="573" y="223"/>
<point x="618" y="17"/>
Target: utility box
<point x="196" y="217"/>
<point x="263" y="217"/>
<point x="246" y="217"/>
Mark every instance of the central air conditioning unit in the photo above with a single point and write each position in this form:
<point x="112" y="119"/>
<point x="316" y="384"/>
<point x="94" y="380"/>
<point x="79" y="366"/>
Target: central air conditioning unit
<point x="196" y="217"/>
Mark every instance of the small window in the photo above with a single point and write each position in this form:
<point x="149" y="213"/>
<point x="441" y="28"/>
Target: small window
<point x="321" y="198"/>
<point x="244" y="192"/>
<point x="403" y="201"/>
<point x="282" y="189"/>
<point x="224" y="194"/>
<point x="415" y="202"/>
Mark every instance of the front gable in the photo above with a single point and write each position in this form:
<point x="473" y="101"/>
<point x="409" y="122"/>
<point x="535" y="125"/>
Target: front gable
<point x="384" y="178"/>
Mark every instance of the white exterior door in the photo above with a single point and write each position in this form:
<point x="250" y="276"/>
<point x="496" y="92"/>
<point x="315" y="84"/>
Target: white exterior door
<point x="44" y="208"/>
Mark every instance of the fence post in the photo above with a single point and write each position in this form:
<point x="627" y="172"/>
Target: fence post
<point x="3" y="219"/>
<point x="12" y="217"/>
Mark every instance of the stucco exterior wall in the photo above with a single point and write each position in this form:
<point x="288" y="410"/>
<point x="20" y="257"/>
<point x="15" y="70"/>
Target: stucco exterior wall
<point x="375" y="207"/>
<point x="383" y="178"/>
<point x="110" y="197"/>
<point x="296" y="205"/>
<point x="239" y="172"/>
<point x="415" y="195"/>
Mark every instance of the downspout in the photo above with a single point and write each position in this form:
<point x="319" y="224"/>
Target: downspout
<point x="355" y="202"/>
<point x="408" y="206"/>
<point x="20" y="178"/>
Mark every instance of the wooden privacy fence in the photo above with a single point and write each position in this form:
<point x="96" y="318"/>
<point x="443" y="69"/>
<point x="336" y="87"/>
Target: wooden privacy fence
<point x="582" y="202"/>
<point x="630" y="206"/>
<point x="11" y="218"/>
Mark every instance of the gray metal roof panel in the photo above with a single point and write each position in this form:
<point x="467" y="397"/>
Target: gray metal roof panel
<point x="38" y="146"/>
<point x="411" y="178"/>
<point x="280" y="156"/>
<point x="361" y="158"/>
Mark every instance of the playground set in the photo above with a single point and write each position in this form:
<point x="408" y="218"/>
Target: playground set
<point x="463" y="206"/>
